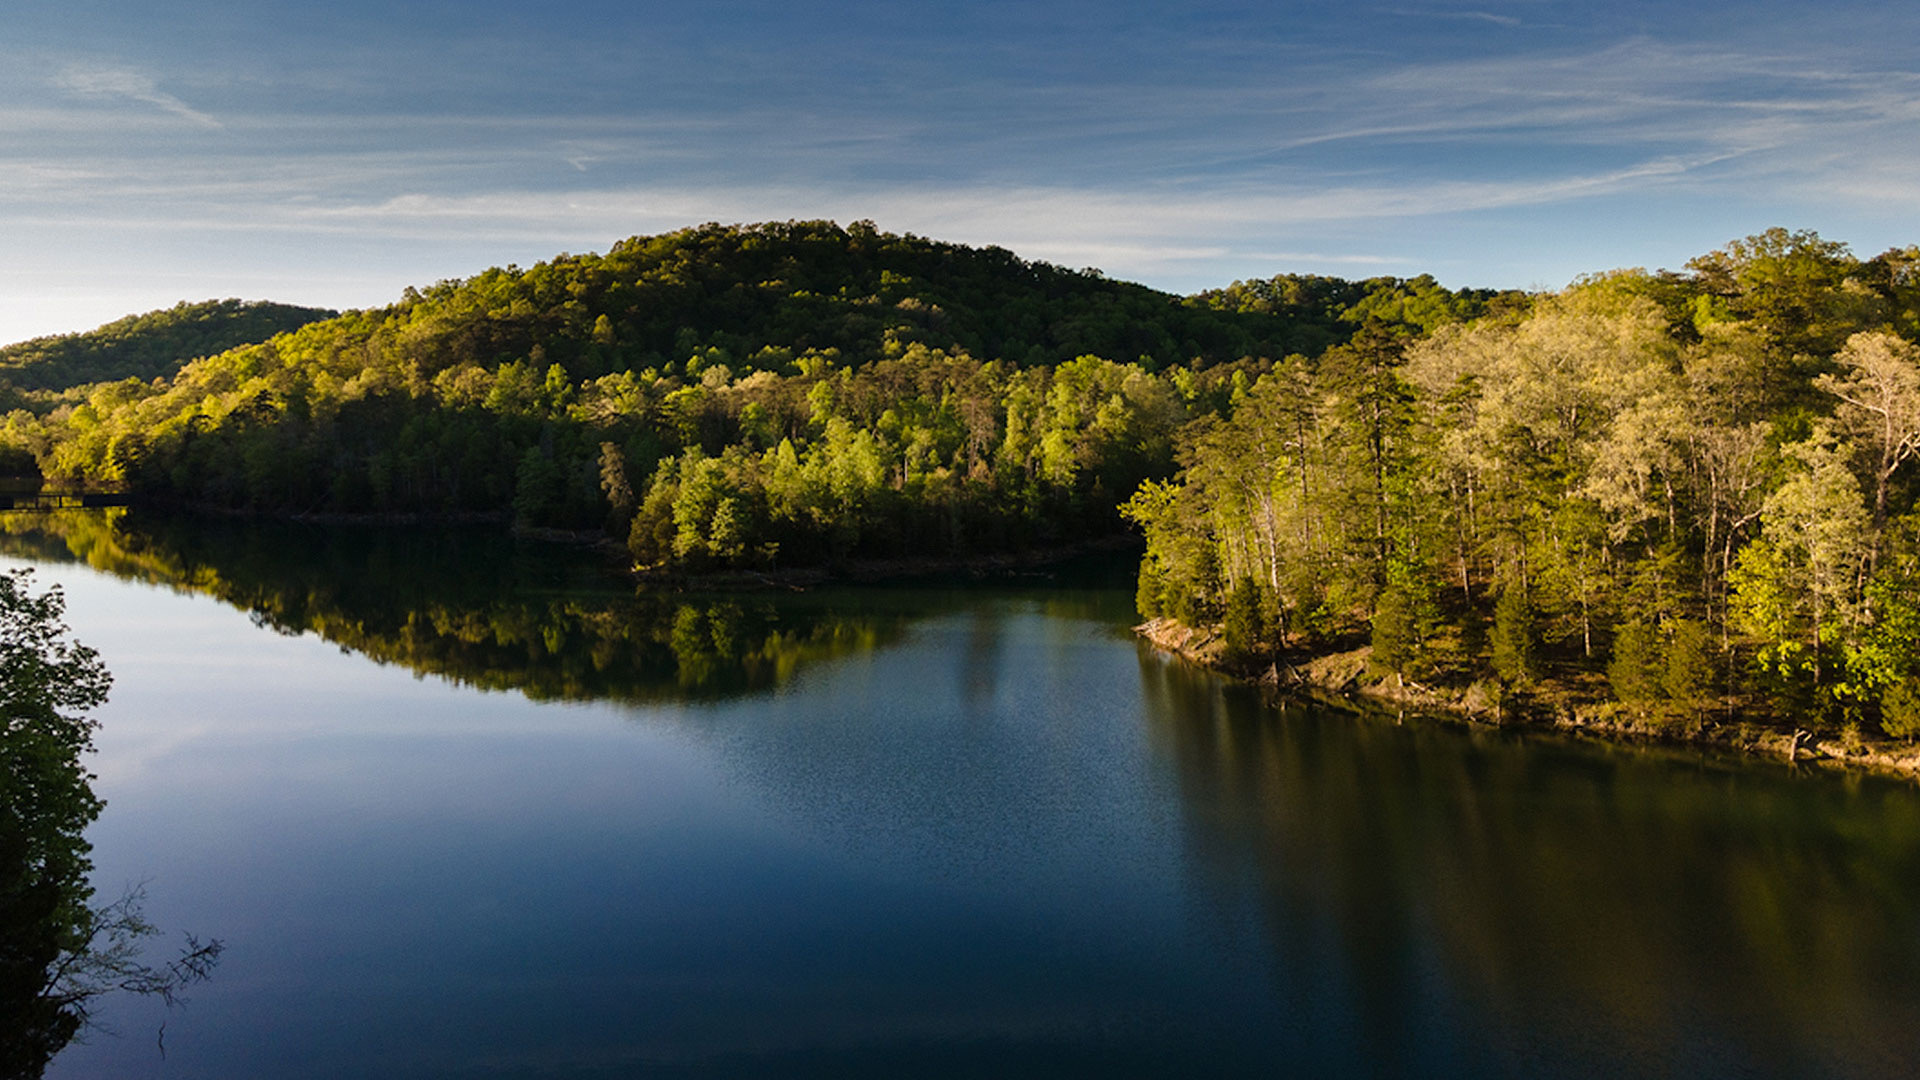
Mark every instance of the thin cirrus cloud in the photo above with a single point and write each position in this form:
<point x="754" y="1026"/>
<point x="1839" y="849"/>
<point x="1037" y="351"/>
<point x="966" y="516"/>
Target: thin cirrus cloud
<point x="1641" y="93"/>
<point x="91" y="81"/>
<point x="1028" y="210"/>
<point x="1142" y="233"/>
<point x="1152" y="223"/>
<point x="1490" y="17"/>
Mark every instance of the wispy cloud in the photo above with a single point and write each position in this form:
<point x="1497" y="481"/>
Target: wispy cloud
<point x="1554" y="129"/>
<point x="1470" y="16"/>
<point x="1487" y="141"/>
<point x="1138" y="232"/>
<point x="92" y="81"/>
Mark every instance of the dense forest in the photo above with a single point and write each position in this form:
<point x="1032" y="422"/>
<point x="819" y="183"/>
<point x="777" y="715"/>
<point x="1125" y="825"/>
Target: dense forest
<point x="1683" y="490"/>
<point x="770" y="395"/>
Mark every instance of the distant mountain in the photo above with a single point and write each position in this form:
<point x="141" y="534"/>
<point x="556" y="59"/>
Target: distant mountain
<point x="148" y="346"/>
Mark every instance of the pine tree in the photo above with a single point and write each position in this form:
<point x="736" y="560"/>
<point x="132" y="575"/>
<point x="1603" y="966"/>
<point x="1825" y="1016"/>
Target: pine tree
<point x="1242" y="629"/>
<point x="1515" y="656"/>
<point x="1394" y="637"/>
<point x="1632" y="672"/>
<point x="1689" y="667"/>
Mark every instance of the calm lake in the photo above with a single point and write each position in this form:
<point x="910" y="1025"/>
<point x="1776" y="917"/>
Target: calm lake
<point x="465" y="807"/>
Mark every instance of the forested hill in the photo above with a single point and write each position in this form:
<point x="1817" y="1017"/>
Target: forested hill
<point x="744" y="395"/>
<point x="154" y="345"/>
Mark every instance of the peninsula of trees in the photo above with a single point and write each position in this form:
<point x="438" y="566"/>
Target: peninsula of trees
<point x="1686" y="491"/>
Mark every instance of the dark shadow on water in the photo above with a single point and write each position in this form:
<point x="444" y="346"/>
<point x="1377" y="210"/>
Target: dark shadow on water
<point x="1456" y="903"/>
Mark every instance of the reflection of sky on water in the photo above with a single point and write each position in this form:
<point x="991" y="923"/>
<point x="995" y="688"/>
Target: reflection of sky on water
<point x="430" y="878"/>
<point x="1005" y="841"/>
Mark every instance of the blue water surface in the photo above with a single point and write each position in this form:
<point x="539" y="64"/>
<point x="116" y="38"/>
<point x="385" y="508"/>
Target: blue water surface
<point x="982" y="833"/>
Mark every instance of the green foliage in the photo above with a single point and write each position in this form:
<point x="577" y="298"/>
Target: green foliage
<point x="536" y="486"/>
<point x="1716" y="455"/>
<point x="1797" y="590"/>
<point x="47" y="685"/>
<point x="1671" y="671"/>
<point x="1798" y="289"/>
<point x="1900" y="709"/>
<point x="1180" y="574"/>
<point x="1314" y="308"/>
<point x="1883" y="661"/>
<point x="1475" y="636"/>
<point x="1146" y="592"/>
<point x="1422" y="304"/>
<point x="1708" y="455"/>
<point x="930" y="397"/>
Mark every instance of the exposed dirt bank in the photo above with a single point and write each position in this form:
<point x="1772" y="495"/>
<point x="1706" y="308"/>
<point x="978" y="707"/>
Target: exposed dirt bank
<point x="1346" y="679"/>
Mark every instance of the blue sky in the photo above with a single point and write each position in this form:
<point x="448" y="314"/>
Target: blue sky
<point x="333" y="153"/>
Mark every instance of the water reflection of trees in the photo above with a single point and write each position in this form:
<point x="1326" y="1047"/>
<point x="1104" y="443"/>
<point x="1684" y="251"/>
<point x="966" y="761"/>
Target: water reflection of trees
<point x="1564" y="905"/>
<point x="469" y="604"/>
<point x="58" y="954"/>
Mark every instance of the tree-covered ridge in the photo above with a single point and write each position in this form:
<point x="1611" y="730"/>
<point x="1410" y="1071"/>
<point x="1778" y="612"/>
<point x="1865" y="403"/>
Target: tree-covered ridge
<point x="746" y="395"/>
<point x="1420" y="304"/>
<point x="149" y="346"/>
<point x="1693" y="489"/>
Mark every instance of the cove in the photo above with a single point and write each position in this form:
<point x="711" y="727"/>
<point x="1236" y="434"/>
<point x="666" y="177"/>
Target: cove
<point x="466" y="807"/>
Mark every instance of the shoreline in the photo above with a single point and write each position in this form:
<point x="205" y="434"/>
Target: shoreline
<point x="1338" y="678"/>
<point x="1342" y="679"/>
<point x="863" y="571"/>
<point x="1031" y="562"/>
